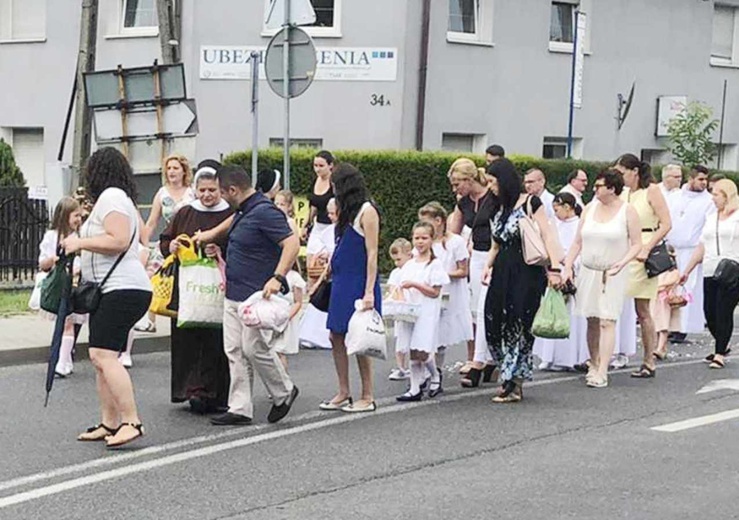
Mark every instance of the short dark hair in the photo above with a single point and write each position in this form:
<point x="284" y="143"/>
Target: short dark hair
<point x="716" y="177"/>
<point x="698" y="168"/>
<point x="574" y="173"/>
<point x="612" y="179"/>
<point x="109" y="168"/>
<point x="230" y="175"/>
<point x="495" y="149"/>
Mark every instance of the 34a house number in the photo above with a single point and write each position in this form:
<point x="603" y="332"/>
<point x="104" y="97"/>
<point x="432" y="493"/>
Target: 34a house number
<point x="379" y="100"/>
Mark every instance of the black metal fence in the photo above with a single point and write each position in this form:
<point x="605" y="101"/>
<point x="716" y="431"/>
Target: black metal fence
<point x="23" y="222"/>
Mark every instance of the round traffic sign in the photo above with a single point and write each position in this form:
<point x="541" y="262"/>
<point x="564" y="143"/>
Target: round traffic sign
<point x="302" y="64"/>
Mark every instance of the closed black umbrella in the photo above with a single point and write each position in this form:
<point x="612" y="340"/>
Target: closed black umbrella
<point x="65" y="308"/>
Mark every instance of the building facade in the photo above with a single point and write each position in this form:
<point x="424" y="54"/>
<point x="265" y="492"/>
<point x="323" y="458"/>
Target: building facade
<point x="497" y="71"/>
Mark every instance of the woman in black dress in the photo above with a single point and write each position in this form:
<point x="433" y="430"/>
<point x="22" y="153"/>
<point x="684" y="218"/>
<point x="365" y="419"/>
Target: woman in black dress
<point x="515" y="288"/>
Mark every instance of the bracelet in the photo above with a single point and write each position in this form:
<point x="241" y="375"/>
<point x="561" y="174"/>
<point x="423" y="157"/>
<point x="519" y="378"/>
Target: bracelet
<point x="554" y="269"/>
<point x="285" y="287"/>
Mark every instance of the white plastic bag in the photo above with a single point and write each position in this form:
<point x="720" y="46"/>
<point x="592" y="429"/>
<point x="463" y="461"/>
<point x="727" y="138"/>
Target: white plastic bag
<point x="272" y="314"/>
<point x="366" y="334"/>
<point x="201" y="294"/>
<point x="34" y="303"/>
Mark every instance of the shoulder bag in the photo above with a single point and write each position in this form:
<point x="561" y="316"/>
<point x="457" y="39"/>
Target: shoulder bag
<point x="86" y="296"/>
<point x="727" y="270"/>
<point x="532" y="244"/>
<point x="659" y="260"/>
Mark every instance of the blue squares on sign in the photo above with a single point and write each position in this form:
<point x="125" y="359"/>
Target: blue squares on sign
<point x="390" y="54"/>
<point x="375" y="54"/>
<point x="383" y="54"/>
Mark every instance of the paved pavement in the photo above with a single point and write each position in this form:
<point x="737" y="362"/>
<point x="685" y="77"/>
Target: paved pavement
<point x="566" y="451"/>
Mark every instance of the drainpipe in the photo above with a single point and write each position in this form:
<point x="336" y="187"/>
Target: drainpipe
<point x="422" y="73"/>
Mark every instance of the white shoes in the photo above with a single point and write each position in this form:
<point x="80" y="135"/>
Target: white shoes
<point x="125" y="359"/>
<point x="64" y="369"/>
<point x="145" y="325"/>
<point x="399" y="374"/>
<point x="619" y="361"/>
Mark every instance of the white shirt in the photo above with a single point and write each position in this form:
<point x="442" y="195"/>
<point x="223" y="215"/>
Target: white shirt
<point x="547" y="199"/>
<point x="572" y="191"/>
<point x="688" y="212"/>
<point x="130" y="273"/>
<point x="665" y="192"/>
<point x="728" y="242"/>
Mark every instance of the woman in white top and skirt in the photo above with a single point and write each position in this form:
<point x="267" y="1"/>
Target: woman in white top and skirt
<point x="112" y="231"/>
<point x="719" y="242"/>
<point x="609" y="237"/>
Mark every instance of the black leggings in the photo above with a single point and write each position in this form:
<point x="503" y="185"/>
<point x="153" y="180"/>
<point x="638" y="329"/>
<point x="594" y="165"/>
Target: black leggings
<point x="718" y="306"/>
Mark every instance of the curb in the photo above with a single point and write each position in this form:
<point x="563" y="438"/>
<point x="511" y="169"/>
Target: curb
<point x="31" y="355"/>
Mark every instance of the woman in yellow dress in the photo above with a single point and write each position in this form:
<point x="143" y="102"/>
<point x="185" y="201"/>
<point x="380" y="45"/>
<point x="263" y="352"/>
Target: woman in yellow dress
<point x="654" y="216"/>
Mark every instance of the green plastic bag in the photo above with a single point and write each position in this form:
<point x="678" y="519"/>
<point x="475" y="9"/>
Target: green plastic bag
<point x="552" y="320"/>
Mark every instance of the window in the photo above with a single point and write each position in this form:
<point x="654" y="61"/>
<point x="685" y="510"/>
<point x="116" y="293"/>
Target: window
<point x="655" y="156"/>
<point x="28" y="149"/>
<point x="139" y="14"/>
<point x="470" y="21"/>
<point x="328" y="19"/>
<point x="562" y="24"/>
<point x="297" y="143"/>
<point x="556" y="148"/>
<point x="453" y="142"/>
<point x="22" y="20"/>
<point x="463" y="16"/>
<point x="723" y="41"/>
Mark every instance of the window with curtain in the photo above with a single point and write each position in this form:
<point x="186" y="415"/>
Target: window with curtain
<point x="722" y="42"/>
<point x="463" y="15"/>
<point x="325" y="10"/>
<point x="139" y="13"/>
<point x="561" y="26"/>
<point x="22" y="19"/>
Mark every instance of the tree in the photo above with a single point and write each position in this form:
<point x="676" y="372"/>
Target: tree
<point x="690" y="134"/>
<point x="10" y="174"/>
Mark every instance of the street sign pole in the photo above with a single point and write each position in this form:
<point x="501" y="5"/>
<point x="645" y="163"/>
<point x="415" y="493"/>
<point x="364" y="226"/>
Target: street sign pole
<point x="255" y="60"/>
<point x="286" y="96"/>
<point x="572" y="89"/>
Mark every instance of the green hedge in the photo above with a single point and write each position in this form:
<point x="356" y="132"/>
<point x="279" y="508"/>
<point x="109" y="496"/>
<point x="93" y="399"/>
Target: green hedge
<point x="402" y="181"/>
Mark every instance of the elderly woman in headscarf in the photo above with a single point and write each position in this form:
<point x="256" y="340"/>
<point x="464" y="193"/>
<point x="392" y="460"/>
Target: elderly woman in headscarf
<point x="199" y="365"/>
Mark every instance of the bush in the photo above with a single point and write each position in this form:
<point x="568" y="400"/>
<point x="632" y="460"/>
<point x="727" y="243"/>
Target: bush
<point x="402" y="181"/>
<point x="10" y="174"/>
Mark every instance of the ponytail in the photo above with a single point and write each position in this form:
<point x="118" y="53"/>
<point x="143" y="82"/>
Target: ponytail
<point x="632" y="162"/>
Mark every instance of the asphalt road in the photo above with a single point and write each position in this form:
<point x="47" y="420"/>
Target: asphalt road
<point x="566" y="451"/>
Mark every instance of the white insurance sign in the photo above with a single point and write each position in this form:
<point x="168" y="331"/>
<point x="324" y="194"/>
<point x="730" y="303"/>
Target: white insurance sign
<point x="334" y="63"/>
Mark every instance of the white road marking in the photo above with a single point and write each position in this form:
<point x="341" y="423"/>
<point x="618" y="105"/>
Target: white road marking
<point x="210" y="450"/>
<point x="698" y="421"/>
<point x="720" y="384"/>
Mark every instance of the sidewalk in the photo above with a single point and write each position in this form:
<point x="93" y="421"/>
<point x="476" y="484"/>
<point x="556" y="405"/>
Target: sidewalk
<point x="26" y="338"/>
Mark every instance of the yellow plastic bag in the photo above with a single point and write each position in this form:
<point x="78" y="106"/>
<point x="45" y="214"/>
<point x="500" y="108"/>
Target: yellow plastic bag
<point x="163" y="285"/>
<point x="187" y="251"/>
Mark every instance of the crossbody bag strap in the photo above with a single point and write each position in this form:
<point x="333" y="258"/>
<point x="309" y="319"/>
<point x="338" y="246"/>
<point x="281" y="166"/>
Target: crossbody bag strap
<point x="118" y="260"/>
<point x="718" y="244"/>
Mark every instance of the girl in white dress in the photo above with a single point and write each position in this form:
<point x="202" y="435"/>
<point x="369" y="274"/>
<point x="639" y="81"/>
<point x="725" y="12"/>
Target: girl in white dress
<point x="421" y="280"/>
<point x="563" y="354"/>
<point x="65" y="222"/>
<point x="401" y="252"/>
<point x="286" y="344"/>
<point x="609" y="237"/>
<point x="456" y="322"/>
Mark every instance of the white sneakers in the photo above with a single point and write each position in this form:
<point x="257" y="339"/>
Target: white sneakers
<point x="64" y="369"/>
<point x="619" y="361"/>
<point x="125" y="359"/>
<point x="399" y="374"/>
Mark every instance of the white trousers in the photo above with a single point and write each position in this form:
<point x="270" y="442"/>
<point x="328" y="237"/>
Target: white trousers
<point x="247" y="351"/>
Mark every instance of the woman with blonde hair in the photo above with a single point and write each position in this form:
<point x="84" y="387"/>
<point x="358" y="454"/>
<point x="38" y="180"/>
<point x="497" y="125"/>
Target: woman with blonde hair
<point x="475" y="208"/>
<point x="719" y="254"/>
<point x="176" y="192"/>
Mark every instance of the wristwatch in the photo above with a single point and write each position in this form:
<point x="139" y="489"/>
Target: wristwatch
<point x="283" y="282"/>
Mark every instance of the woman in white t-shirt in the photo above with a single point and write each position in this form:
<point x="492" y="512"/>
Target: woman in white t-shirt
<point x="112" y="231"/>
<point x="720" y="240"/>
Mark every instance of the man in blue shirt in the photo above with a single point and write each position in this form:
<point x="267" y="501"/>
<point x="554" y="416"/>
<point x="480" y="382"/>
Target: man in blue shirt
<point x="261" y="250"/>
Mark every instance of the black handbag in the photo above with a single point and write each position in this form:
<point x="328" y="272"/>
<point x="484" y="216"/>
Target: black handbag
<point x="659" y="260"/>
<point x="727" y="270"/>
<point x="86" y="296"/>
<point x="321" y="297"/>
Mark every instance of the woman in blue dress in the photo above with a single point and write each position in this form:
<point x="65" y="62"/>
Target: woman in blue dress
<point x="515" y="288"/>
<point x="353" y="277"/>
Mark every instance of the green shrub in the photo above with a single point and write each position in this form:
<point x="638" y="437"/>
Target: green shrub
<point x="402" y="181"/>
